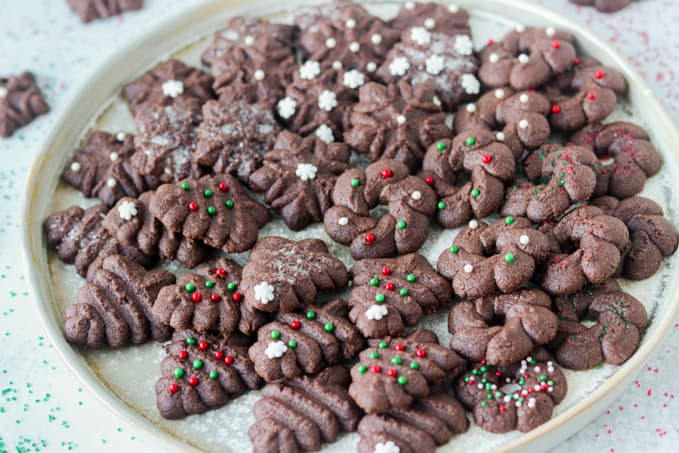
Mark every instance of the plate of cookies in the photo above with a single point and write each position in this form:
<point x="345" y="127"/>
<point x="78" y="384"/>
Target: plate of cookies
<point x="386" y="227"/>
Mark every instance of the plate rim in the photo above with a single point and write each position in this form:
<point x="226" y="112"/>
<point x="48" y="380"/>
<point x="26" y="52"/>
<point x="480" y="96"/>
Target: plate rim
<point x="33" y="250"/>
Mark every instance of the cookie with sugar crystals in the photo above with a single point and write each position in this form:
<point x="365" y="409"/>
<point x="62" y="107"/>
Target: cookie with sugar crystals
<point x="604" y="6"/>
<point x="21" y="101"/>
<point x="202" y="373"/>
<point x="89" y="10"/>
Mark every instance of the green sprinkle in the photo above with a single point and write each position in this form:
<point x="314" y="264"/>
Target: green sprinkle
<point x="498" y="394"/>
<point x="441" y="205"/>
<point x="228" y="204"/>
<point x="475" y="193"/>
<point x="374" y="281"/>
<point x="231" y="286"/>
<point x="209" y="284"/>
<point x="185" y="186"/>
<point x="543" y="377"/>
<point x="401" y="224"/>
<point x="374" y="355"/>
<point x="211" y="210"/>
<point x="190" y="287"/>
<point x="403" y="292"/>
<point x="509" y="258"/>
<point x="382" y="345"/>
<point x="454" y="249"/>
<point x="355" y="182"/>
<point x="379" y="298"/>
<point x="396" y="361"/>
<point x="207" y="193"/>
<point x="190" y="341"/>
<point x="179" y="373"/>
<point x="414" y="366"/>
<point x="509" y="220"/>
<point x="411" y="278"/>
<point x="471" y="141"/>
<point x="402" y="380"/>
<point x="311" y="315"/>
<point x="484" y="404"/>
<point x="441" y="146"/>
<point x="550" y="383"/>
<point x="329" y="327"/>
<point x="362" y="369"/>
<point x="197" y="364"/>
<point x="489" y="396"/>
<point x="213" y="374"/>
<point x="292" y="344"/>
<point x="275" y="335"/>
<point x="521" y="399"/>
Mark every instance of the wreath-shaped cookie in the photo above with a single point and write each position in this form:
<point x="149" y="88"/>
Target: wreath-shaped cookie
<point x="503" y="328"/>
<point x="403" y="229"/>
<point x="618" y="322"/>
<point x="542" y="385"/>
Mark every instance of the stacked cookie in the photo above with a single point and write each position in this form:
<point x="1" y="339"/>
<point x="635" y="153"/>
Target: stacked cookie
<point x="358" y="134"/>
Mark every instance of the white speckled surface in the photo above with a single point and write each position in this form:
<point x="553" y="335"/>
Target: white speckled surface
<point x="41" y="404"/>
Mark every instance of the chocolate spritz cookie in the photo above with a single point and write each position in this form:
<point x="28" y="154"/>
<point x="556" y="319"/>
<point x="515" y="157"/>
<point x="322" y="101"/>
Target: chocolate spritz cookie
<point x="449" y="19"/>
<point x="344" y="35"/>
<point x="396" y="121"/>
<point x="202" y="373"/>
<point x="504" y="328"/>
<point x="504" y="266"/>
<point x="403" y="229"/>
<point x="626" y="154"/>
<point x="604" y="6"/>
<point x="652" y="235"/>
<point x="114" y="309"/>
<point x="234" y="136"/>
<point x="165" y="84"/>
<point x="392" y="294"/>
<point x="526" y="58"/>
<point x="208" y="300"/>
<point x="617" y="321"/>
<point x="283" y="275"/>
<point x="21" y="101"/>
<point x="594" y="246"/>
<point x="542" y="385"/>
<point x="167" y="139"/>
<point x="304" y="413"/>
<point x="393" y="373"/>
<point x="298" y="176"/>
<point x="102" y="169"/>
<point x="305" y="341"/>
<point x="251" y="59"/>
<point x="441" y="56"/>
<point x="131" y="224"/>
<point x="428" y="423"/>
<point x="215" y="210"/>
<point x="89" y="10"/>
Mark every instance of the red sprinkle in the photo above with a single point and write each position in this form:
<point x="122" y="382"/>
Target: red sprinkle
<point x="295" y="324"/>
<point x="228" y="359"/>
<point x="486" y="158"/>
<point x="193" y="206"/>
<point x="174" y="388"/>
<point x="503" y="409"/>
<point x="556" y="109"/>
<point x="193" y="381"/>
<point x="491" y="41"/>
<point x="386" y="271"/>
<point x="387" y="173"/>
<point x="421" y="353"/>
<point x="202" y="345"/>
<point x="599" y="75"/>
<point x="591" y="95"/>
<point x="376" y="369"/>
<point x="220" y="272"/>
<point x="369" y="238"/>
<point x="556" y="44"/>
<point x="218" y="355"/>
<point x="483" y="362"/>
<point x="215" y="297"/>
<point x="429" y="180"/>
<point x="182" y="355"/>
<point x="392" y="373"/>
<point x="576" y="62"/>
<point x="389" y="286"/>
<point x="236" y="297"/>
<point x="196" y="297"/>
<point x="223" y="187"/>
<point x="399" y="347"/>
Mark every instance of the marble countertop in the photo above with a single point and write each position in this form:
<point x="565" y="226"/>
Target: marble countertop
<point x="42" y="405"/>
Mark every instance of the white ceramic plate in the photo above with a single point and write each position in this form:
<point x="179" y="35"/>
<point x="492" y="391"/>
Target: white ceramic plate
<point x="124" y="379"/>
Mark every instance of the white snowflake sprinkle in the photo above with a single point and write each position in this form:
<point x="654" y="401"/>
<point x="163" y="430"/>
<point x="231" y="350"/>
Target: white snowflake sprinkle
<point x="524" y="98"/>
<point x="376" y="312"/>
<point x="127" y="210"/>
<point x="173" y="88"/>
<point x="275" y="350"/>
<point x="306" y="172"/>
<point x="471" y="108"/>
<point x="330" y="43"/>
<point x="420" y="36"/>
<point x="111" y="182"/>
<point x="121" y="136"/>
<point x="524" y="239"/>
<point x="416" y="195"/>
<point x="75" y="167"/>
<point x="350" y="23"/>
<point x="463" y="45"/>
<point x="249" y="40"/>
<point x="429" y="23"/>
<point x="470" y="84"/>
<point x="386" y="447"/>
<point x="376" y="39"/>
<point x="343" y="221"/>
<point x="523" y="58"/>
<point x="286" y="107"/>
<point x="327" y="100"/>
<point x="468" y="268"/>
<point x="310" y="70"/>
<point x="436" y="100"/>
<point x="264" y="293"/>
<point x="473" y="224"/>
<point x="500" y="93"/>
<point x="531" y="402"/>
<point x="113" y="156"/>
<point x="371" y="66"/>
<point x="399" y="66"/>
<point x="493" y="58"/>
<point x="354" y="46"/>
<point x="400" y="119"/>
<point x="523" y="124"/>
<point x="353" y="79"/>
<point x="500" y="136"/>
<point x="434" y="64"/>
<point x="259" y="74"/>
<point x="325" y="133"/>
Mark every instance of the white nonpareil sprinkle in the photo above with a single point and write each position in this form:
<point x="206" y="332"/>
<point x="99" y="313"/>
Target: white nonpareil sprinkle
<point x="471" y="108"/>
<point x="523" y="124"/>
<point x="286" y="107"/>
<point x="480" y="386"/>
<point x="520" y="28"/>
<point x="434" y="64"/>
<point x="249" y="40"/>
<point x="500" y="93"/>
<point x="330" y="43"/>
<point x="354" y="46"/>
<point x="121" y="136"/>
<point x="399" y="66"/>
<point x="336" y="65"/>
<point x="453" y="8"/>
<point x="350" y="23"/>
<point x="111" y="182"/>
<point x="550" y="31"/>
<point x="463" y="45"/>
<point x="127" y="210"/>
<point x="470" y="84"/>
<point x="113" y="156"/>
<point x="386" y="447"/>
<point x="493" y="58"/>
<point x="550" y="369"/>
<point x="524" y="98"/>
<point x="353" y="79"/>
<point x="507" y="398"/>
<point x="275" y="350"/>
<point x="531" y="402"/>
<point x="473" y="224"/>
<point x="306" y="172"/>
<point x="325" y="133"/>
<point x="75" y="167"/>
<point x="310" y="70"/>
<point x="409" y="5"/>
<point x="536" y="369"/>
<point x="376" y="38"/>
<point x="420" y="36"/>
<point x="376" y="312"/>
<point x="429" y="23"/>
<point x="468" y="268"/>
<point x="400" y="119"/>
<point x="500" y="136"/>
<point x="524" y="239"/>
<point x="342" y="221"/>
<point x="3" y="92"/>
<point x="327" y="100"/>
<point x="523" y="58"/>
<point x="264" y="293"/>
<point x="259" y="74"/>
<point x="173" y="88"/>
<point x="416" y="195"/>
<point x="371" y="66"/>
